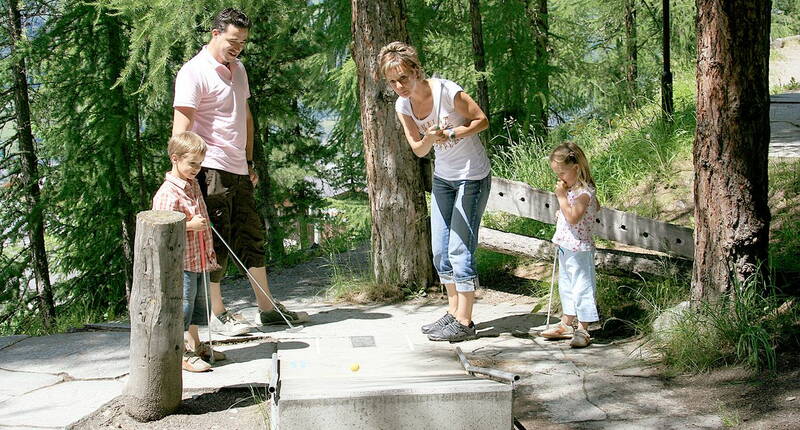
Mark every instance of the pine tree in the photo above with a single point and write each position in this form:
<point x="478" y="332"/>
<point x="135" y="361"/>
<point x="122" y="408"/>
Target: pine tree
<point x="730" y="148"/>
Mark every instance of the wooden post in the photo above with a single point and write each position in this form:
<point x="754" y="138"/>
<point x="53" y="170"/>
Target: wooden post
<point x="155" y="384"/>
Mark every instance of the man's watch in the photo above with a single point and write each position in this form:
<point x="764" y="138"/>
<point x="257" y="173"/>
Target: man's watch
<point x="451" y="134"/>
<point x="250" y="163"/>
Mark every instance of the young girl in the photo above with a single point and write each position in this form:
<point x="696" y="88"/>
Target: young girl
<point x="578" y="209"/>
<point x="437" y="114"/>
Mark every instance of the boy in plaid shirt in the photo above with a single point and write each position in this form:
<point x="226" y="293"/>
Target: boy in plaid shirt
<point x="180" y="192"/>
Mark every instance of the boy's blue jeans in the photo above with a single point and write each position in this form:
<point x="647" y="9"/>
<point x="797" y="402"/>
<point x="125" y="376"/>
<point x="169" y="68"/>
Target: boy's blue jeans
<point x="194" y="299"/>
<point x="456" y="211"/>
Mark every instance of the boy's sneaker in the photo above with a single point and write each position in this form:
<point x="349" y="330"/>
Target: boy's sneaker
<point x="560" y="331"/>
<point x="273" y="317"/>
<point x="454" y="332"/>
<point x="191" y="362"/>
<point x="580" y="339"/>
<point x="205" y="351"/>
<point x="438" y="324"/>
<point x="229" y="324"/>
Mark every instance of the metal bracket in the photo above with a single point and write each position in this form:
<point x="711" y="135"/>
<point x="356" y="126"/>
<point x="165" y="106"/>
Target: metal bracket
<point x="497" y="375"/>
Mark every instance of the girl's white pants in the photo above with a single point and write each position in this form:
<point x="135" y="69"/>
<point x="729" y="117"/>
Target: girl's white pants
<point x="576" y="284"/>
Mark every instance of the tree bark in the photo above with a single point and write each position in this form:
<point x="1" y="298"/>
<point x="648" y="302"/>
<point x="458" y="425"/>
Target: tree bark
<point x="731" y="143"/>
<point x="479" y="57"/>
<point x="631" y="51"/>
<point x="539" y="19"/>
<point x="155" y="384"/>
<point x="401" y="240"/>
<point x="30" y="171"/>
<point x="667" y="107"/>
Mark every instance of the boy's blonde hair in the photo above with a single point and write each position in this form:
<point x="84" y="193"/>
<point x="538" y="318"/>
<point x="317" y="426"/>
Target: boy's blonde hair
<point x="186" y="143"/>
<point x="399" y="54"/>
<point x="568" y="153"/>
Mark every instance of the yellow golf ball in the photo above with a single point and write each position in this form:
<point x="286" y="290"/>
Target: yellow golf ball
<point x="354" y="367"/>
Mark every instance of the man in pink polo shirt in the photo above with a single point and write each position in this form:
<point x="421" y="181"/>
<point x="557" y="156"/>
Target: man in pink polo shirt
<point x="211" y="92"/>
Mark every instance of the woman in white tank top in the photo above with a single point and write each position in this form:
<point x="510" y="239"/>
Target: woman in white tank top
<point x="438" y="115"/>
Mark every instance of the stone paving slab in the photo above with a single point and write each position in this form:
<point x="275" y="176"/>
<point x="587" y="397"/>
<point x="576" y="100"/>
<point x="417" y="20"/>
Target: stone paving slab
<point x="18" y="383"/>
<point x="89" y="355"/>
<point x="247" y="364"/>
<point x="6" y="341"/>
<point x="661" y="423"/>
<point x="58" y="406"/>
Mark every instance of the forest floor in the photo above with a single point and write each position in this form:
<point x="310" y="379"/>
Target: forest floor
<point x="619" y="388"/>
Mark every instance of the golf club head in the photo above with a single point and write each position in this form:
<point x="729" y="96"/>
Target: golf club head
<point x="294" y="329"/>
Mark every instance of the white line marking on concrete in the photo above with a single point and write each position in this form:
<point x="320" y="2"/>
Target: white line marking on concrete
<point x="410" y="344"/>
<point x="318" y="341"/>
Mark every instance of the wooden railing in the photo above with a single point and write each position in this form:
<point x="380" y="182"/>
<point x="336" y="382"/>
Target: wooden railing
<point x="518" y="198"/>
<point x="521" y="199"/>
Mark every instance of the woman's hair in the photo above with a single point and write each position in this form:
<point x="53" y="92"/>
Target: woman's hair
<point x="186" y="143"/>
<point x="569" y="153"/>
<point x="399" y="54"/>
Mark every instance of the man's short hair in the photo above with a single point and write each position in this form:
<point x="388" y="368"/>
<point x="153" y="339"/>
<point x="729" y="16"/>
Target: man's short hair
<point x="186" y="143"/>
<point x="233" y="17"/>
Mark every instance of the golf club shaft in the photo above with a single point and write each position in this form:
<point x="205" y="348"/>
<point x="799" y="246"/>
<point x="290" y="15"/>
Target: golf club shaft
<point x="552" y="282"/>
<point x="252" y="278"/>
<point x="203" y="268"/>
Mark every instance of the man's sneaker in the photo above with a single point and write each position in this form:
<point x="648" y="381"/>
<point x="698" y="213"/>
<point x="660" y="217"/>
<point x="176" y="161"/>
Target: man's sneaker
<point x="193" y="363"/>
<point x="559" y="331"/>
<point x="438" y="324"/>
<point x="454" y="332"/>
<point x="580" y="339"/>
<point x="229" y="324"/>
<point x="273" y="317"/>
<point x="205" y="351"/>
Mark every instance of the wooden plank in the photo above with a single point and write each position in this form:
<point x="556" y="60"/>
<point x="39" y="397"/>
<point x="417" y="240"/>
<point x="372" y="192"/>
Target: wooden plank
<point x="605" y="259"/>
<point x="518" y="198"/>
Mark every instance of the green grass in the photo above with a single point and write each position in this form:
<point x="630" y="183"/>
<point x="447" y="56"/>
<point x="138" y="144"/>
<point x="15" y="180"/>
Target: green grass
<point x="746" y="326"/>
<point x="68" y="316"/>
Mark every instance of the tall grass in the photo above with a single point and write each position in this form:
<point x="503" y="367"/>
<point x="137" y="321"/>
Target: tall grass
<point x="745" y="327"/>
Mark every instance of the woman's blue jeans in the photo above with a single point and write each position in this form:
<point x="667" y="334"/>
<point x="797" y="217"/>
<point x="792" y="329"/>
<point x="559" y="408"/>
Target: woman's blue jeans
<point x="456" y="210"/>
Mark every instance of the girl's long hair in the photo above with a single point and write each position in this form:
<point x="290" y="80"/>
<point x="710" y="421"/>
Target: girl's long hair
<point x="569" y="153"/>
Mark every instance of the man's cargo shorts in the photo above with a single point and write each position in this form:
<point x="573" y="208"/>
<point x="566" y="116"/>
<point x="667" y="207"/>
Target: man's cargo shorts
<point x="232" y="212"/>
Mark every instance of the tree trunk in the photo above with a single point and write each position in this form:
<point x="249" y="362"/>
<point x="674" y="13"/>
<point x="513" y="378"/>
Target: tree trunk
<point x="631" y="51"/>
<point x="30" y="172"/>
<point x="731" y="143"/>
<point x="401" y="239"/>
<point x="480" y="64"/>
<point x="666" y="76"/>
<point x="540" y="26"/>
<point x="155" y="386"/>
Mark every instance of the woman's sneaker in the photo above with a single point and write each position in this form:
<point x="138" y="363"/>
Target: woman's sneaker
<point x="454" y="332"/>
<point x="191" y="362"/>
<point x="229" y="324"/>
<point x="438" y="324"/>
<point x="273" y="317"/>
<point x="560" y="331"/>
<point x="580" y="339"/>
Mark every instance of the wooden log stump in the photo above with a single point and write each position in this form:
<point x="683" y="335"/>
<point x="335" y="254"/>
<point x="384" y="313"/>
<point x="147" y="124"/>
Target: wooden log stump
<point x="155" y="385"/>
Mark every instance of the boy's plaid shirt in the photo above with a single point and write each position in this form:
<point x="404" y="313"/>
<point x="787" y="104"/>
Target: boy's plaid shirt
<point x="178" y="195"/>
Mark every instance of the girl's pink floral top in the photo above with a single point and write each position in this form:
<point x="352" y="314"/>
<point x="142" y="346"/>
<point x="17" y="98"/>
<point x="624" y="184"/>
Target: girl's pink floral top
<point x="577" y="237"/>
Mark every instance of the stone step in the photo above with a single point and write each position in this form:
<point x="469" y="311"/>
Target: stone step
<point x="447" y="401"/>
